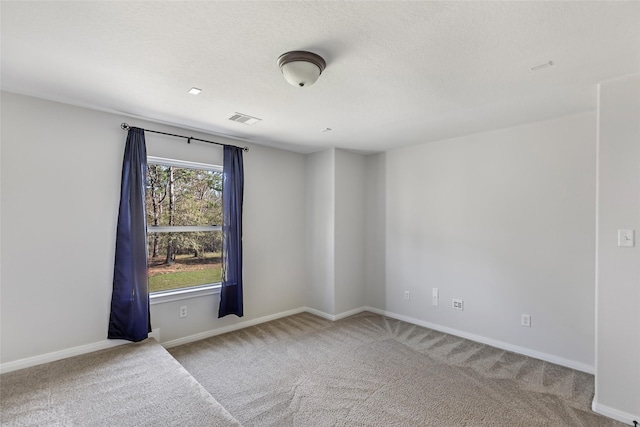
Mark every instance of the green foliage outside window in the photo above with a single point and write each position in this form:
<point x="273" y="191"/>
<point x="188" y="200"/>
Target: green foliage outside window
<point x="176" y="197"/>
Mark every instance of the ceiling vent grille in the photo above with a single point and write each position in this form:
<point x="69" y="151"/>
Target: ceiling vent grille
<point x="243" y="118"/>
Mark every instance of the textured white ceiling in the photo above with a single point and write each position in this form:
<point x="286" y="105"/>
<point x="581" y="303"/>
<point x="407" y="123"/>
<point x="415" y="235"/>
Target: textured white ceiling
<point x="398" y="73"/>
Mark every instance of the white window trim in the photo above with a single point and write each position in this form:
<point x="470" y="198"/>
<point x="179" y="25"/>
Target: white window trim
<point x="183" y="228"/>
<point x="161" y="297"/>
<point x="184" y="293"/>
<point x="183" y="164"/>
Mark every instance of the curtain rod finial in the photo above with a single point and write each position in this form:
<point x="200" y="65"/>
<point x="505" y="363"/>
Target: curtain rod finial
<point x="125" y="126"/>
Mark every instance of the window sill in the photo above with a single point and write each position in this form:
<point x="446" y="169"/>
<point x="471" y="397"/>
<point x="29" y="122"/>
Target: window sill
<point x="180" y="294"/>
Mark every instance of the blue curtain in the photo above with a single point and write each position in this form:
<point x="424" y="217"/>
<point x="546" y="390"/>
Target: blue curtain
<point x="129" y="318"/>
<point x="232" y="192"/>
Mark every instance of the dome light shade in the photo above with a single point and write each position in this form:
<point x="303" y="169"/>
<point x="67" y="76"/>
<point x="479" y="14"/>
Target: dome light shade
<point x="301" y="68"/>
<point x="300" y="73"/>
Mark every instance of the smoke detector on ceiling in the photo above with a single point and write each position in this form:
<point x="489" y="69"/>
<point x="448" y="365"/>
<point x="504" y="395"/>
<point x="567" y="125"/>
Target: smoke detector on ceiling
<point x="244" y="118"/>
<point x="541" y="66"/>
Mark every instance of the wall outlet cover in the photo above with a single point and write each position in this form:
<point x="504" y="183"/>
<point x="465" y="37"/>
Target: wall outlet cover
<point x="626" y="238"/>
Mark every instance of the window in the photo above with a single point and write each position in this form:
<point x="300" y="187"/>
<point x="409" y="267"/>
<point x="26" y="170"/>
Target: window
<point x="184" y="217"/>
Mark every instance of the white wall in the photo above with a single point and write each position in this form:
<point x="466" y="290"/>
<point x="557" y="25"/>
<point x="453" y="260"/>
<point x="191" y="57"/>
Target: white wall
<point x="336" y="233"/>
<point x="503" y="220"/>
<point x="320" y="175"/>
<point x="274" y="227"/>
<point x="375" y="236"/>
<point x="60" y="184"/>
<point x="618" y="277"/>
<point x="349" y="231"/>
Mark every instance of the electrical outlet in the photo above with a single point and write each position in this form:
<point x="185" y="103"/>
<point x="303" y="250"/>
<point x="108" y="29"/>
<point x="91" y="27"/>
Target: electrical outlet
<point x="434" y="297"/>
<point x="183" y="311"/>
<point x="406" y="295"/>
<point x="525" y="320"/>
<point x="626" y="238"/>
<point x="458" y="304"/>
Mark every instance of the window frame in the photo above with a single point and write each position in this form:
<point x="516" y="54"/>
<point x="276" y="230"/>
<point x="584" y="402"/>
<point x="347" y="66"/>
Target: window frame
<point x="191" y="291"/>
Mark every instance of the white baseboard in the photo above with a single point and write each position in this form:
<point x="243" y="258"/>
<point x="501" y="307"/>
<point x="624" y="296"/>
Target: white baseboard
<point x="68" y="352"/>
<point x="62" y="354"/>
<point x="473" y="337"/>
<point x="623" y="417"/>
<point x="101" y="345"/>
<point x="155" y="334"/>
<point x="241" y="325"/>
<point x="57" y="355"/>
<point x="332" y="316"/>
<point x="489" y="341"/>
<point x="230" y="328"/>
<point x="319" y="313"/>
<point x="350" y="313"/>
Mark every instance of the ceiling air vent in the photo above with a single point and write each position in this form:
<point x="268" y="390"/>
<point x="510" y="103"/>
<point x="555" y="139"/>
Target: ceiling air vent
<point x="243" y="118"/>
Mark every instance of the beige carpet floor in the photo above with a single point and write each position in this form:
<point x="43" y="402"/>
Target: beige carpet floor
<point x="368" y="370"/>
<point x="131" y="385"/>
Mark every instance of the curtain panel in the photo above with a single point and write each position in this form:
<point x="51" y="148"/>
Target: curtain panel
<point x="232" y="194"/>
<point x="130" y="317"/>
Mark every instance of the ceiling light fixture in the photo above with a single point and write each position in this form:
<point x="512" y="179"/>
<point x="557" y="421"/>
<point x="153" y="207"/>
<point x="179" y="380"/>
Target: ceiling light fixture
<point x="194" y="91"/>
<point x="301" y="68"/>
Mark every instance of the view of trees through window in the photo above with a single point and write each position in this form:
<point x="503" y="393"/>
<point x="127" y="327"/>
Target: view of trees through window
<point x="184" y="214"/>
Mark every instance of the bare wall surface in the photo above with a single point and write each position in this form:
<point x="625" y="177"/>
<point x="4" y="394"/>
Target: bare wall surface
<point x="504" y="221"/>
<point x="61" y="169"/>
<point x="320" y="210"/>
<point x="618" y="279"/>
<point x="350" y="231"/>
<point x="375" y="220"/>
<point x="336" y="231"/>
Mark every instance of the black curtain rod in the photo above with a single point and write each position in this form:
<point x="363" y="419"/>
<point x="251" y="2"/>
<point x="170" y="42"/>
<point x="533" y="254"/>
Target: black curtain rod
<point x="125" y="126"/>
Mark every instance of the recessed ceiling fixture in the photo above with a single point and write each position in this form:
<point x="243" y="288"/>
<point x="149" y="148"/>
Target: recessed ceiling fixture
<point x="301" y="68"/>
<point x="244" y="118"/>
<point x="541" y="66"/>
<point x="194" y="91"/>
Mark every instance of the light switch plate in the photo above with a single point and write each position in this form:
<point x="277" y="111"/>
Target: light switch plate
<point x="626" y="238"/>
